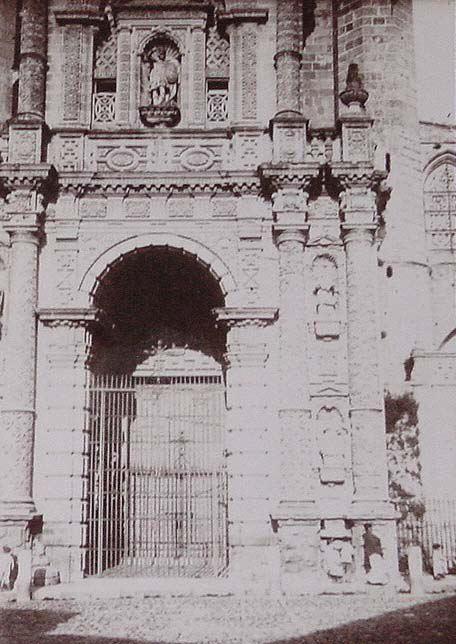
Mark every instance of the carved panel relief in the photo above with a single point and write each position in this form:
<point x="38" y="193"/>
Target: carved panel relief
<point x="334" y="445"/>
<point x="198" y="89"/>
<point x="93" y="208"/>
<point x="71" y="71"/>
<point x="326" y="297"/>
<point x="217" y="54"/>
<point x="123" y="76"/>
<point x="66" y="266"/>
<point x="249" y="45"/>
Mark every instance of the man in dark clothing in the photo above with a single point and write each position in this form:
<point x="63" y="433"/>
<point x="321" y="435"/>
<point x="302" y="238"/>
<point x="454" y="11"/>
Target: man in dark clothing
<point x="372" y="546"/>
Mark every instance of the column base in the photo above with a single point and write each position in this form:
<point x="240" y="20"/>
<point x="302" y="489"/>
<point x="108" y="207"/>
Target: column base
<point x="255" y="569"/>
<point x="17" y="511"/>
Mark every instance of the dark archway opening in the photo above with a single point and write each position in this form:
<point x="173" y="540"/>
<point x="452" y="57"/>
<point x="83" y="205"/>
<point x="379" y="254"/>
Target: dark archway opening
<point x="154" y="296"/>
<point x="157" y="481"/>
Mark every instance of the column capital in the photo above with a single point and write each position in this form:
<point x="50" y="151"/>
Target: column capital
<point x="245" y="316"/>
<point x="291" y="233"/>
<point x="358" y="232"/>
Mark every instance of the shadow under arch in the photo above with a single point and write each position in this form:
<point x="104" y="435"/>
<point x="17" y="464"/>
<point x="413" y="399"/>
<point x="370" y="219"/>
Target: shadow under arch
<point x="203" y="254"/>
<point x="152" y="297"/>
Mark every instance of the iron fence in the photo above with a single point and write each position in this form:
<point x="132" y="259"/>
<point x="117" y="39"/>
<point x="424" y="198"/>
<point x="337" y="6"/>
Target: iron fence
<point x="157" y="482"/>
<point x="432" y="522"/>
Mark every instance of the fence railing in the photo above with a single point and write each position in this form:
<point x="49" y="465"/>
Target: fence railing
<point x="436" y="524"/>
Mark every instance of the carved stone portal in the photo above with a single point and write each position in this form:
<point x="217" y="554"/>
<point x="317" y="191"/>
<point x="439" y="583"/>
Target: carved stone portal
<point x="160" y="76"/>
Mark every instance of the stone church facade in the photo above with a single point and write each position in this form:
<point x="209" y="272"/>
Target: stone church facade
<point x="223" y="233"/>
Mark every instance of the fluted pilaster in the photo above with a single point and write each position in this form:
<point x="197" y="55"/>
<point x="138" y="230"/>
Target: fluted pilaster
<point x="248" y="442"/>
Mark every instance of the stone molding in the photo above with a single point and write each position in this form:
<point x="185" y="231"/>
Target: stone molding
<point x="67" y="317"/>
<point x="161" y="183"/>
<point x="245" y="317"/>
<point x="258" y="16"/>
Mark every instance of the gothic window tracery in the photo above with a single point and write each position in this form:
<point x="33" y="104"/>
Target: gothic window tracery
<point x="440" y="206"/>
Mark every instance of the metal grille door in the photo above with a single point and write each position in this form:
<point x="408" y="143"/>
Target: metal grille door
<point x="157" y="496"/>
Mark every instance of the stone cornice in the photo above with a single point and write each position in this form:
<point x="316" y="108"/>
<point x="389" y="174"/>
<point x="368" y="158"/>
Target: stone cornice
<point x="243" y="15"/>
<point x="78" y="16"/>
<point x="69" y="317"/>
<point x="297" y="175"/>
<point x="357" y="174"/>
<point x="88" y="182"/>
<point x="19" y="176"/>
<point x="245" y="316"/>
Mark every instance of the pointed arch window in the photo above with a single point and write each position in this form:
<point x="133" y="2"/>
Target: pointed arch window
<point x="440" y="205"/>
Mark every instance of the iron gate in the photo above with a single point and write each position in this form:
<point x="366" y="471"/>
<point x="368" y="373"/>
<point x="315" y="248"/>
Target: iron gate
<point x="157" y="483"/>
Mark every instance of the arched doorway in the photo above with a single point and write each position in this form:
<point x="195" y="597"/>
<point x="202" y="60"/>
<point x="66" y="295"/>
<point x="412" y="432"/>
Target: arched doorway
<point x="156" y="502"/>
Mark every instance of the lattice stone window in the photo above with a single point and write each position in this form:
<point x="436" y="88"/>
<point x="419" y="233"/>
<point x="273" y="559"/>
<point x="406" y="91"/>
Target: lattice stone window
<point x="104" y="107"/>
<point x="104" y="77"/>
<point x="217" y="101"/>
<point x="440" y="207"/>
<point x="217" y="74"/>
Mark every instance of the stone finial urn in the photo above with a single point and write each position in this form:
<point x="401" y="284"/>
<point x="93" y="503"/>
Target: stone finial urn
<point x="354" y="91"/>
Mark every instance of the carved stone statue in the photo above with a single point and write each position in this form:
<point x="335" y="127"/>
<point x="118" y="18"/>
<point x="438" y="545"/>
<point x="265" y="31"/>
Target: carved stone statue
<point x="160" y="83"/>
<point x="325" y="291"/>
<point x="163" y="76"/>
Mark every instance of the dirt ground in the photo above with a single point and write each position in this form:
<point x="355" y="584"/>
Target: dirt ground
<point x="356" y="619"/>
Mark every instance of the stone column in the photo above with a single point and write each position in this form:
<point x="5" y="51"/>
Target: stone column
<point x="248" y="447"/>
<point x="24" y="206"/>
<point x="289" y="126"/>
<point x="289" y="55"/>
<point x="366" y="404"/>
<point x="26" y="131"/>
<point x="32" y="62"/>
<point x="18" y="412"/>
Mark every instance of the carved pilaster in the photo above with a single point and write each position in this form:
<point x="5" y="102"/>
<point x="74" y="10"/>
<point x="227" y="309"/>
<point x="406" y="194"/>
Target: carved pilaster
<point x="366" y="407"/>
<point x="78" y="27"/>
<point x="249" y="436"/>
<point x="294" y="403"/>
<point x="243" y="32"/>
